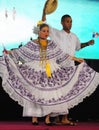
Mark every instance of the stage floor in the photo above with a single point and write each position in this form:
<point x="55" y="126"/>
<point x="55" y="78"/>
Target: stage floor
<point x="20" y="125"/>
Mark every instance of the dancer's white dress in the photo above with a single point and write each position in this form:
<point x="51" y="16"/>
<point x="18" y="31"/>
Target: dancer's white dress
<point x="24" y="78"/>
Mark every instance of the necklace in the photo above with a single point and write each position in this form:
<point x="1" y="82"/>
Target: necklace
<point x="43" y="46"/>
<point x="43" y="60"/>
<point x="43" y="43"/>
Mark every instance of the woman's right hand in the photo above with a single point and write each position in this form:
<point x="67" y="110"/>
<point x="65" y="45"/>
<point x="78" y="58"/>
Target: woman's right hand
<point x="6" y="51"/>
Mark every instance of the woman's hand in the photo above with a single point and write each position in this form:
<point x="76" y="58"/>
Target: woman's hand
<point x="44" y="12"/>
<point x="6" y="51"/>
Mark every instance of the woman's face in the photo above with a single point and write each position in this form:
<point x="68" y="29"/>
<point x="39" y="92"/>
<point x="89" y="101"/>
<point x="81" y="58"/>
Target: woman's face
<point x="44" y="32"/>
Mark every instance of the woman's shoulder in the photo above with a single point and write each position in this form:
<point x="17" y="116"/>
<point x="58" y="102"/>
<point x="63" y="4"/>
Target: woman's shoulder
<point x="32" y="44"/>
<point x="35" y="41"/>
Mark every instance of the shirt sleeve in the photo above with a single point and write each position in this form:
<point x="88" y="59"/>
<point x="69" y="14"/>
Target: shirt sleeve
<point x="78" y="44"/>
<point x="54" y="34"/>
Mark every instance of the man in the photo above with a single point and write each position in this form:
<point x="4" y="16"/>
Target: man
<point x="69" y="43"/>
<point x="67" y="40"/>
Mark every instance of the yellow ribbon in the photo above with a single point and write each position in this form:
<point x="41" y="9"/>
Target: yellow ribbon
<point x="43" y="45"/>
<point x="48" y="69"/>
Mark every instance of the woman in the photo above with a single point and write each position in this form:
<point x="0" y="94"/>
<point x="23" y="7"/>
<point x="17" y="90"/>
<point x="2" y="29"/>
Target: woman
<point x="36" y="75"/>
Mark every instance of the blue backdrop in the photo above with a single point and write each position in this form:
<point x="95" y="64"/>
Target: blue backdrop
<point x="27" y="12"/>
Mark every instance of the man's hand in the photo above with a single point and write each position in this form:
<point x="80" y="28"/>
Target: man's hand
<point x="80" y="60"/>
<point x="91" y="42"/>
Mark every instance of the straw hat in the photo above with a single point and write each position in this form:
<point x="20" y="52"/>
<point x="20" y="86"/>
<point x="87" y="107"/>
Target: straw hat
<point x="50" y="6"/>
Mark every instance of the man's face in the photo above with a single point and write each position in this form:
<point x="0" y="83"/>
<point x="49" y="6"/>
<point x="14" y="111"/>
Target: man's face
<point x="67" y="23"/>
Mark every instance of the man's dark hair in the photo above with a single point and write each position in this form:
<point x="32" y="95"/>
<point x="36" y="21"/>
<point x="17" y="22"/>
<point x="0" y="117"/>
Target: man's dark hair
<point x="65" y="16"/>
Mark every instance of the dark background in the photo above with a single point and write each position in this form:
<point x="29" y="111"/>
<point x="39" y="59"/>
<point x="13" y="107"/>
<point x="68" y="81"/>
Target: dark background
<point x="88" y="110"/>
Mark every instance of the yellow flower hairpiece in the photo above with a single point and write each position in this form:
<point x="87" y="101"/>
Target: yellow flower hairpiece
<point x="39" y="23"/>
<point x="36" y="28"/>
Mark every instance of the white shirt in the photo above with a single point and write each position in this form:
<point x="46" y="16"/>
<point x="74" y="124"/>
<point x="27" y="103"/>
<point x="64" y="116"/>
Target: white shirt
<point x="68" y="42"/>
